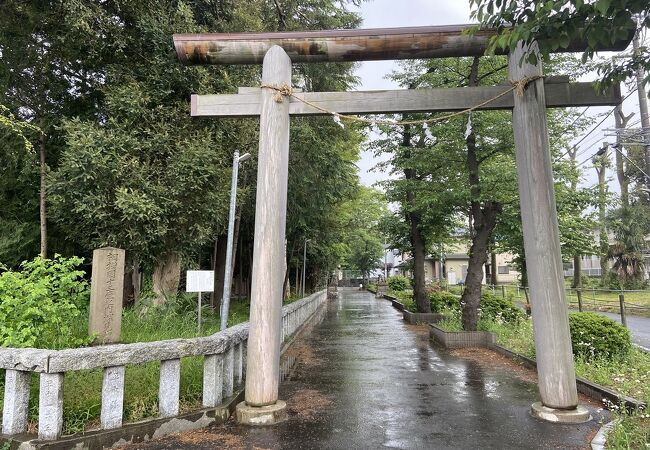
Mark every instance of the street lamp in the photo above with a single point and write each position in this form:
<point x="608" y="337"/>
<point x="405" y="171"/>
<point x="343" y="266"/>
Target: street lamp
<point x="227" y="275"/>
<point x="304" y="265"/>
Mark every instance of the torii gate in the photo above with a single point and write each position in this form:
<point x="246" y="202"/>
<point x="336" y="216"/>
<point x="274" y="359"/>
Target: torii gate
<point x="557" y="383"/>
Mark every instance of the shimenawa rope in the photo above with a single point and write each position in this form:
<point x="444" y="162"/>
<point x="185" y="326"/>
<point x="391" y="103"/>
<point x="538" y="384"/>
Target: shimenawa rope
<point x="284" y="90"/>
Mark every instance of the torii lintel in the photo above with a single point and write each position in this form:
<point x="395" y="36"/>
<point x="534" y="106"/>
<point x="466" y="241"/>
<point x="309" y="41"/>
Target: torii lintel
<point x="247" y="103"/>
<point x="346" y="45"/>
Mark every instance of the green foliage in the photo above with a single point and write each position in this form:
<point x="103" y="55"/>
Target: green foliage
<point x="176" y="319"/>
<point x="443" y="300"/>
<point x="593" y="335"/>
<point x="556" y="24"/>
<point x="516" y="336"/>
<point x="399" y="283"/>
<point x="40" y="303"/>
<point x="499" y="309"/>
<point x="587" y="282"/>
<point x="629" y="227"/>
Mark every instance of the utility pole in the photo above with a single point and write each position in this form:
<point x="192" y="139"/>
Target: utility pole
<point x="227" y="277"/>
<point x="621" y="122"/>
<point x="643" y="103"/>
<point x="577" y="258"/>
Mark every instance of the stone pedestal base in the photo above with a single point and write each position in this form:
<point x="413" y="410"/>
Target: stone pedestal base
<point x="261" y="415"/>
<point x="578" y="415"/>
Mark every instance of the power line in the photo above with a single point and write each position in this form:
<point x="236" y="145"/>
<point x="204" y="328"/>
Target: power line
<point x="615" y="147"/>
<point x="597" y="125"/>
<point x="571" y="125"/>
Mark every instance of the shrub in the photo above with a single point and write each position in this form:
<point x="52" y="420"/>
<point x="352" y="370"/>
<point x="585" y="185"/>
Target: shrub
<point x="399" y="283"/>
<point x="404" y="296"/>
<point x="497" y="308"/>
<point x="409" y="305"/>
<point x="40" y="303"/>
<point x="593" y="335"/>
<point x="443" y="300"/>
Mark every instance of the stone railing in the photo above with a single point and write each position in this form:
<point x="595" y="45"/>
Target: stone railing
<point x="224" y="362"/>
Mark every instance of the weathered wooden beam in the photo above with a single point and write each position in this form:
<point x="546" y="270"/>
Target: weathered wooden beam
<point x="263" y="361"/>
<point x="555" y="369"/>
<point x="343" y="45"/>
<point x="248" y="104"/>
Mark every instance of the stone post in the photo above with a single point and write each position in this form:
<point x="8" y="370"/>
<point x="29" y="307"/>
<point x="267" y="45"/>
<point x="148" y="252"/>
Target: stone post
<point x="169" y="387"/>
<point x="239" y="353"/>
<point x="263" y="366"/>
<point x="112" y="409"/>
<point x="50" y="406"/>
<point x="557" y="380"/>
<point x="212" y="380"/>
<point x="229" y="372"/>
<point x="16" y="401"/>
<point x="107" y="288"/>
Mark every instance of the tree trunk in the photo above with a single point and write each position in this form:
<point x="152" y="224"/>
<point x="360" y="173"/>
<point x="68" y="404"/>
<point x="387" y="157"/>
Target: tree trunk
<point x="131" y="291"/>
<point x="577" y="259"/>
<point x="483" y="219"/>
<point x="471" y="297"/>
<point x="128" y="296"/>
<point x="42" y="206"/>
<point x="219" y="267"/>
<point x="600" y="163"/>
<point x="418" y="246"/>
<point x="166" y="277"/>
<point x="240" y="272"/>
<point x="286" y="289"/>
<point x="235" y="239"/>
<point x="577" y="271"/>
<point x="493" y="269"/>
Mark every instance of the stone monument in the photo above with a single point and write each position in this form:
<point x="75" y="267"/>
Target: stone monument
<point x="106" y="291"/>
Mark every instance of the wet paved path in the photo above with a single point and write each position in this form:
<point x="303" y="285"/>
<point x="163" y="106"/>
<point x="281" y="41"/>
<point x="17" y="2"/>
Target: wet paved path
<point x="363" y="379"/>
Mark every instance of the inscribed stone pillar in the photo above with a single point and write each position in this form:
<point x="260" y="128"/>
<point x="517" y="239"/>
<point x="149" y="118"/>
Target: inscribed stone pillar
<point x="107" y="287"/>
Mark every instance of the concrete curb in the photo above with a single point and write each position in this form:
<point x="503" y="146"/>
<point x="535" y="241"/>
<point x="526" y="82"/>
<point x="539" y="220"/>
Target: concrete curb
<point x="395" y="301"/>
<point x="461" y="339"/>
<point x="598" y="442"/>
<point x="415" y="318"/>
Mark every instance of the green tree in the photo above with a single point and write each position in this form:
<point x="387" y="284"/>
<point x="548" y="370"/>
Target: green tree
<point x="47" y="73"/>
<point x="361" y="218"/>
<point x="466" y="172"/>
<point x="556" y="24"/>
<point x="19" y="230"/>
<point x="145" y="176"/>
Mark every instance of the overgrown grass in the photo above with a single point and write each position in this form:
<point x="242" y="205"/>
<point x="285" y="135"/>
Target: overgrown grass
<point x="82" y="389"/>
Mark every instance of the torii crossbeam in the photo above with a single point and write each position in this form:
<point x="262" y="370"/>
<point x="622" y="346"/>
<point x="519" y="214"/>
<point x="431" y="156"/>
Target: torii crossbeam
<point x="557" y="383"/>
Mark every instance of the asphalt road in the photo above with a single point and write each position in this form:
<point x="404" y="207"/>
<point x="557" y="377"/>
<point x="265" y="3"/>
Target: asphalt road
<point x="639" y="328"/>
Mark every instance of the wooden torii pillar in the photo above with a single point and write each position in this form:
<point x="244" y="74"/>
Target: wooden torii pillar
<point x="557" y="384"/>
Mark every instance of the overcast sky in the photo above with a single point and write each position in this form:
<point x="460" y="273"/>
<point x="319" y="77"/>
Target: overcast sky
<point x="390" y="13"/>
